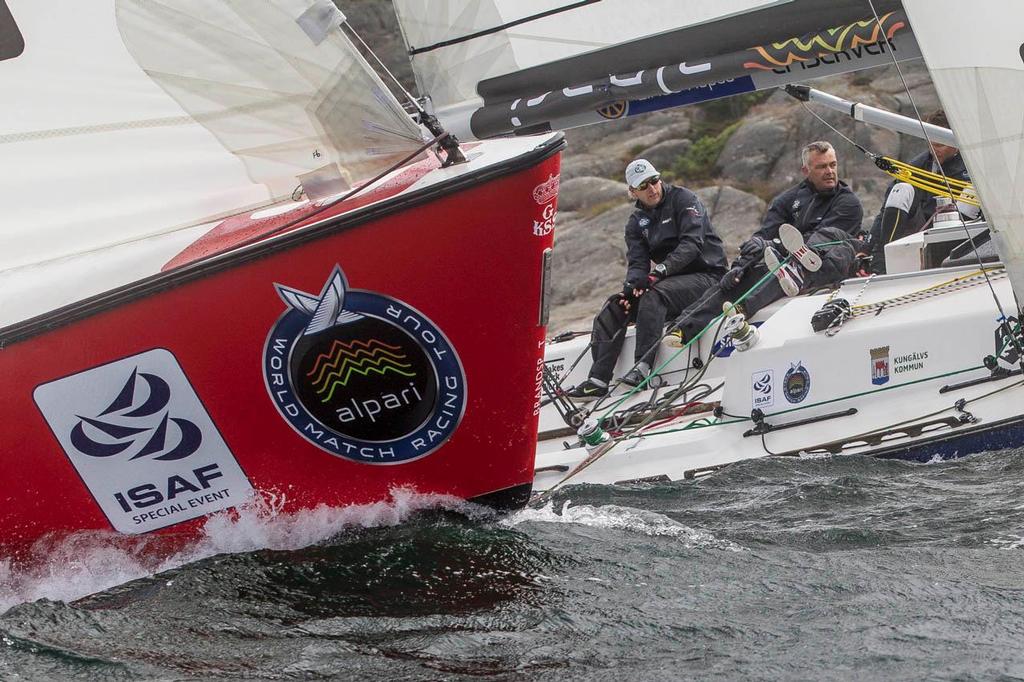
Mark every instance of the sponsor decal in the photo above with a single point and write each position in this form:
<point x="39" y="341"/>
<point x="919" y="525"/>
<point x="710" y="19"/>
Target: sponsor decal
<point x="546" y="191"/>
<point x="547" y="223"/>
<point x="763" y="388"/>
<point x="853" y="41"/>
<point x="538" y="385"/>
<point x="142" y="442"/>
<point x="616" y="109"/>
<point x="909" y="362"/>
<point x="362" y="375"/>
<point x="797" y="383"/>
<point x="12" y="43"/>
<point x="879" y="365"/>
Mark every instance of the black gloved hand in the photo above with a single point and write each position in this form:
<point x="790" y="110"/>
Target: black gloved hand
<point x="732" y="278"/>
<point x="629" y="287"/>
<point x="753" y="248"/>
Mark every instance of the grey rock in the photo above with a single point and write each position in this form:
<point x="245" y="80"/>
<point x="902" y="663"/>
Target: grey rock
<point x="589" y="265"/>
<point x="755" y="150"/>
<point x="576" y="194"/>
<point x="735" y="214"/>
<point x="666" y="154"/>
<point x="584" y="164"/>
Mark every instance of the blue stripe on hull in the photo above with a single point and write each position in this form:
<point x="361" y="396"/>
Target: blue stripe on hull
<point x="1000" y="435"/>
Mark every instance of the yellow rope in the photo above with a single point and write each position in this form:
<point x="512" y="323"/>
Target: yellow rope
<point x="933" y="182"/>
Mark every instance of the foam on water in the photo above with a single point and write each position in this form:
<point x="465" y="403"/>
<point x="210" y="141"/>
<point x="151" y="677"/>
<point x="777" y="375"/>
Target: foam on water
<point x="615" y="517"/>
<point x="86" y="563"/>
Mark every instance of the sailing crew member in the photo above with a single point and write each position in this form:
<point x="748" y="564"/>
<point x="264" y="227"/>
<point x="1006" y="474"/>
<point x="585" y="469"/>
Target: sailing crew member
<point x="906" y="209"/>
<point x="670" y="230"/>
<point x="821" y="212"/>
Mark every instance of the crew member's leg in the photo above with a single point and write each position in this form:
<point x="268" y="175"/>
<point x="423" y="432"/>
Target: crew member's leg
<point x="768" y="292"/>
<point x="665" y="301"/>
<point x="608" y="336"/>
<point x="896" y="223"/>
<point x="697" y="315"/>
<point x="838" y="260"/>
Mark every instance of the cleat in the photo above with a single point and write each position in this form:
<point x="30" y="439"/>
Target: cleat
<point x="588" y="390"/>
<point x="793" y="240"/>
<point x="788" y="274"/>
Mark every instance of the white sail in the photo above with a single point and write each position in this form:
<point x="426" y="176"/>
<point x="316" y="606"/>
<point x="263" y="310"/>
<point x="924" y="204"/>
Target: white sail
<point x="492" y="67"/>
<point x="978" y="70"/>
<point x="127" y="120"/>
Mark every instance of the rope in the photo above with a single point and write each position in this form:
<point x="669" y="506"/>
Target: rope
<point x="949" y="286"/>
<point x="958" y="190"/>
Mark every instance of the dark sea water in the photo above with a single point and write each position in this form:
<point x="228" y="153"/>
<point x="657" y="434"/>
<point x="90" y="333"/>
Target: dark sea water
<point x="835" y="568"/>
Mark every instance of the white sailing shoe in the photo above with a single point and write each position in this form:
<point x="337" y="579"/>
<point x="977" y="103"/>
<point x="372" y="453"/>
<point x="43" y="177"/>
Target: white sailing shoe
<point x="793" y="240"/>
<point x="790" y="277"/>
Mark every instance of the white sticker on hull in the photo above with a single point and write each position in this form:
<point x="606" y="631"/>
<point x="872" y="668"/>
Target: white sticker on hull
<point x="144" y="445"/>
<point x="762" y="389"/>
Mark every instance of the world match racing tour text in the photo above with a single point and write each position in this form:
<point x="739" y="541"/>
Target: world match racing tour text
<point x="447" y="414"/>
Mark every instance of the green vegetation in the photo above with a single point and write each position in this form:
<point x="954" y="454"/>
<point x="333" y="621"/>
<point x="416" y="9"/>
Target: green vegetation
<point x="699" y="163"/>
<point x="714" y="124"/>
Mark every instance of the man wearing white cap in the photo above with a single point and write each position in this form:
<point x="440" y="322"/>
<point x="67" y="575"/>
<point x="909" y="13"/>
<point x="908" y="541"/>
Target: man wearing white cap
<point x="673" y="255"/>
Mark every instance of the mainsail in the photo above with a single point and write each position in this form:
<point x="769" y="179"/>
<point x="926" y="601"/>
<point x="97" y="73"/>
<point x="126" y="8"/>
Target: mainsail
<point x="493" y="67"/>
<point x="128" y="120"/>
<point x="978" y="72"/>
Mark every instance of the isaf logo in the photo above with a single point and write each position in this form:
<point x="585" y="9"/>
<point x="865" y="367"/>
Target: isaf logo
<point x="362" y="375"/>
<point x="762" y="388"/>
<point x="12" y="43"/>
<point x="142" y="442"/>
<point x="137" y="420"/>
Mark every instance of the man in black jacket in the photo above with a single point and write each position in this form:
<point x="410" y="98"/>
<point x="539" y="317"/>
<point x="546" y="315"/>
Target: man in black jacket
<point x="905" y="209"/>
<point x="669" y="228"/>
<point x="826" y="215"/>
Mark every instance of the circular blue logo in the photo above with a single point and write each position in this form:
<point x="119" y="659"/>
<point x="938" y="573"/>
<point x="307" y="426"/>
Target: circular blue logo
<point x="797" y="383"/>
<point x="362" y="375"/>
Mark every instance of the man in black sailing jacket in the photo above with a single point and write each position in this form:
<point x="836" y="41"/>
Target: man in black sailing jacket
<point x="826" y="214"/>
<point x="671" y="230"/>
<point x="905" y="209"/>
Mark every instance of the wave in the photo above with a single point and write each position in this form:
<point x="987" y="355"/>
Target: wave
<point x="86" y="563"/>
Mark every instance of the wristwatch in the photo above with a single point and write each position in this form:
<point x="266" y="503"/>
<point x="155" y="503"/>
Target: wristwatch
<point x="660" y="270"/>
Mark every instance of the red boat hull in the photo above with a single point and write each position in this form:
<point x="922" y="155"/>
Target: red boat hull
<point x="462" y="268"/>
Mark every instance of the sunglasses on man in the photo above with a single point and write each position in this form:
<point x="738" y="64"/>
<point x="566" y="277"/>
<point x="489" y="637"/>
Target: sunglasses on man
<point x="647" y="183"/>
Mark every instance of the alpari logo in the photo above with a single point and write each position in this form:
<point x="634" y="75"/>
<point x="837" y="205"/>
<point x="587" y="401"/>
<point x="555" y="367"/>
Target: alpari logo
<point x="136" y="420"/>
<point x="12" y="44"/>
<point x="362" y="375"/>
